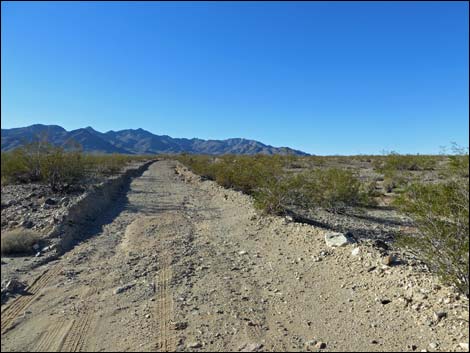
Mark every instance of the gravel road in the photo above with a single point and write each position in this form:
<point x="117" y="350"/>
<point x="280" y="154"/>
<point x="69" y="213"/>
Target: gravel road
<point x="187" y="265"/>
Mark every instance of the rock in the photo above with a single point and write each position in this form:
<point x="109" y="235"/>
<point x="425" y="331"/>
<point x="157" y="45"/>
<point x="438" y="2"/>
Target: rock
<point x="433" y="345"/>
<point x="14" y="286"/>
<point x="179" y="325"/>
<point x="251" y="347"/>
<point x="123" y="288"/>
<point x="439" y="315"/>
<point x="309" y="345"/>
<point x="50" y="201"/>
<point x="380" y="244"/>
<point x="320" y="345"/>
<point x="388" y="260"/>
<point x="334" y="239"/>
<point x="355" y="251"/>
<point x="464" y="346"/>
<point x="27" y="223"/>
<point x="385" y="301"/>
<point x="243" y="252"/>
<point x="288" y="219"/>
<point x="194" y="345"/>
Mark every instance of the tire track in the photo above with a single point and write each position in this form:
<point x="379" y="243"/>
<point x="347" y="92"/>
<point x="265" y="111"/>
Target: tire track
<point x="51" y="340"/>
<point x="77" y="335"/>
<point x="166" y="341"/>
<point x="11" y="313"/>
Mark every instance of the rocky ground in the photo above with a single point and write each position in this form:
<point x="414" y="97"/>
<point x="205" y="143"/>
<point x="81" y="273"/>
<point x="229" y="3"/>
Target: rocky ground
<point x="183" y="264"/>
<point x="33" y="206"/>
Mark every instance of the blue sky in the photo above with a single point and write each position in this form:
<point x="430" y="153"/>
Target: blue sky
<point x="323" y="77"/>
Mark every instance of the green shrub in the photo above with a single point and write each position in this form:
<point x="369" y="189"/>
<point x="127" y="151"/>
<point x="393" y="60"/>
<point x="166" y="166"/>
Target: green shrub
<point x="18" y="241"/>
<point x="61" y="168"/>
<point x="441" y="214"/>
<point x="394" y="161"/>
<point x="334" y="189"/>
<point x="279" y="194"/>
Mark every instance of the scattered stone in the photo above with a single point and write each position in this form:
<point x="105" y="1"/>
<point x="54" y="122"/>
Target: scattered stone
<point x="388" y="260"/>
<point x="27" y="223"/>
<point x="123" y="288"/>
<point x="50" y="201"/>
<point x="355" y="251"/>
<point x="243" y="252"/>
<point x="179" y="325"/>
<point x="320" y="345"/>
<point x="433" y="345"/>
<point x="14" y="286"/>
<point x="334" y="239"/>
<point x="385" y="301"/>
<point x="439" y="315"/>
<point x="309" y="345"/>
<point x="251" y="347"/>
<point x="464" y="346"/>
<point x="194" y="345"/>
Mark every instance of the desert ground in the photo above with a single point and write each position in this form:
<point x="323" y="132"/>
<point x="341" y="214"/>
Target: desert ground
<point x="180" y="263"/>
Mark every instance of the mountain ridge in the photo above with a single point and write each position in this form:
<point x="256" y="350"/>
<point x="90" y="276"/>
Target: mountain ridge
<point x="135" y="141"/>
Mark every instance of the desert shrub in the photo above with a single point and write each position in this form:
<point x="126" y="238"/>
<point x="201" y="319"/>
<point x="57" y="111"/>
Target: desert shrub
<point x="459" y="162"/>
<point x="62" y="170"/>
<point x="13" y="167"/>
<point x="108" y="164"/>
<point x="279" y="194"/>
<point x="243" y="173"/>
<point x="395" y="161"/>
<point x="247" y="173"/>
<point x="441" y="214"/>
<point x="334" y="189"/>
<point x="18" y="241"/>
<point x="395" y="179"/>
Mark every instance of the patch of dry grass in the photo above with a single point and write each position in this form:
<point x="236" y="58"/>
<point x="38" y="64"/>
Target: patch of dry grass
<point x="18" y="241"/>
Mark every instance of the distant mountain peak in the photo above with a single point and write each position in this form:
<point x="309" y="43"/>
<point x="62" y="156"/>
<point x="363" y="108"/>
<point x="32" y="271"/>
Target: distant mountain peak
<point x="136" y="141"/>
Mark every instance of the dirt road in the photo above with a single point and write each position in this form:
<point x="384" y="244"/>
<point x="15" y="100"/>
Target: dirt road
<point x="187" y="265"/>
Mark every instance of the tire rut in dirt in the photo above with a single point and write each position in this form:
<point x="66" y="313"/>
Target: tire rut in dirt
<point x="12" y="312"/>
<point x="166" y="340"/>
<point x="76" y="338"/>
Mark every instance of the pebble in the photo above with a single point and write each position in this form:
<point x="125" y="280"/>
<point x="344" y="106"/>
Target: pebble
<point x="320" y="345"/>
<point x="464" y="346"/>
<point x="194" y="345"/>
<point x="439" y="315"/>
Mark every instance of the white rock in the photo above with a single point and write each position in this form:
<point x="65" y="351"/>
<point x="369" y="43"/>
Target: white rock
<point x="464" y="346"/>
<point x="334" y="239"/>
<point x="355" y="251"/>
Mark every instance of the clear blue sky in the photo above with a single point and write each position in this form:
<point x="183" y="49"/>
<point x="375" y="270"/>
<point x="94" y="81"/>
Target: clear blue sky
<point x="324" y="77"/>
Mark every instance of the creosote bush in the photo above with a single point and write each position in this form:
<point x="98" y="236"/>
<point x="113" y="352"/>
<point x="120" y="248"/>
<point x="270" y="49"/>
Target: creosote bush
<point x="62" y="168"/>
<point x="441" y="215"/>
<point x="274" y="189"/>
<point x="394" y="161"/>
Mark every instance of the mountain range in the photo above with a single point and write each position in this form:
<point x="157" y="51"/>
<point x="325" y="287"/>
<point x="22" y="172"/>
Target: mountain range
<point x="134" y="141"/>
